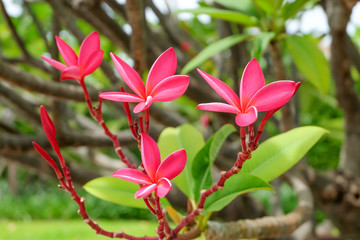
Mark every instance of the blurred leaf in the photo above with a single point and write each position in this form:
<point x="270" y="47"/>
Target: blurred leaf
<point x="204" y="160"/>
<point x="185" y="136"/>
<point x="261" y="42"/>
<point x="246" y="6"/>
<point x="213" y="49"/>
<point x="234" y="186"/>
<point x="278" y="154"/>
<point x="115" y="190"/>
<point x="310" y="60"/>
<point x="335" y="126"/>
<point x="291" y="8"/>
<point x="227" y="15"/>
<point x="269" y="6"/>
<point x="174" y="215"/>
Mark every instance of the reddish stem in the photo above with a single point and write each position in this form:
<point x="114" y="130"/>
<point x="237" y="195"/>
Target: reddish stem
<point x="243" y="138"/>
<point x="141" y="123"/>
<point x="147" y="120"/>
<point x="130" y="121"/>
<point x="97" y="115"/>
<point x="163" y="223"/>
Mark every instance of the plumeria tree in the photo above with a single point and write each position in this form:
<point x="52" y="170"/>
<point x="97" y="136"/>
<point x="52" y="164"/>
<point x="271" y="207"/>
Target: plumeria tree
<point x="184" y="155"/>
<point x="153" y="175"/>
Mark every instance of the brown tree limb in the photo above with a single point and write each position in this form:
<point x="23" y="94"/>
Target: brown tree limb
<point x="20" y="143"/>
<point x="267" y="227"/>
<point x="136" y="16"/>
<point x="17" y="77"/>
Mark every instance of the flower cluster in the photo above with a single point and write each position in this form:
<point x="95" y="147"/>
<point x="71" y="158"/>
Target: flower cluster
<point x="162" y="85"/>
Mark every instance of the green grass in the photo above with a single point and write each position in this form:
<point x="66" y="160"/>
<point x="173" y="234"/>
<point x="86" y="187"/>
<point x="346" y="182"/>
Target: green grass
<point x="70" y="229"/>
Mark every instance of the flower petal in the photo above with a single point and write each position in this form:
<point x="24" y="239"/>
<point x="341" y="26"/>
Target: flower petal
<point x="141" y="106"/>
<point x="163" y="187"/>
<point x="120" y="97"/>
<point x="93" y="62"/>
<point x="54" y="63"/>
<point x="132" y="175"/>
<point x="150" y="155"/>
<point x="172" y="165"/>
<point x="129" y="75"/>
<point x="245" y="119"/>
<point x="72" y="72"/>
<point x="145" y="190"/>
<point x="163" y="67"/>
<point x="251" y="81"/>
<point x="89" y="45"/>
<point x="66" y="52"/>
<point x="170" y="88"/>
<point x="273" y="95"/>
<point x="222" y="89"/>
<point x="218" y="107"/>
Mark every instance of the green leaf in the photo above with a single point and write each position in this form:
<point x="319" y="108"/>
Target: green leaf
<point x="269" y="6"/>
<point x="115" y="190"/>
<point x="292" y="8"/>
<point x="246" y="6"/>
<point x="310" y="60"/>
<point x="227" y="15"/>
<point x="213" y="49"/>
<point x="278" y="154"/>
<point x="261" y="42"/>
<point x="185" y="136"/>
<point x="204" y="160"/>
<point x="234" y="186"/>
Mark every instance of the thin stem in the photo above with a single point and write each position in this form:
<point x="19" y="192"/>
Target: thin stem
<point x="149" y="206"/>
<point x="147" y="120"/>
<point x="163" y="223"/>
<point x="97" y="115"/>
<point x="141" y="123"/>
<point x="243" y="138"/>
<point x="130" y="121"/>
<point x="251" y="133"/>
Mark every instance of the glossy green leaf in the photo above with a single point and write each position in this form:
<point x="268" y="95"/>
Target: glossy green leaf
<point x="310" y="60"/>
<point x="213" y="49"/>
<point x="204" y="160"/>
<point x="226" y="15"/>
<point x="185" y="136"/>
<point x="278" y="154"/>
<point x="234" y="186"/>
<point x="115" y="190"/>
<point x="261" y="42"/>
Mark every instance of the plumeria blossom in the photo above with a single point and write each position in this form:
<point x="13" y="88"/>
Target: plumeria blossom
<point x="161" y="84"/>
<point x="90" y="58"/>
<point x="158" y="174"/>
<point x="254" y="95"/>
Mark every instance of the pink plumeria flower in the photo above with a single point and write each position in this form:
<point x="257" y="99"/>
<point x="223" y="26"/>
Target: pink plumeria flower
<point x="254" y="95"/>
<point x="90" y="58"/>
<point x="161" y="84"/>
<point x="158" y="174"/>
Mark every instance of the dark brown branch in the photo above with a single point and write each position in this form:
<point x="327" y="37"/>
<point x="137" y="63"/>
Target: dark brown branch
<point x="136" y="17"/>
<point x="32" y="83"/>
<point x="20" y="102"/>
<point x="21" y="143"/>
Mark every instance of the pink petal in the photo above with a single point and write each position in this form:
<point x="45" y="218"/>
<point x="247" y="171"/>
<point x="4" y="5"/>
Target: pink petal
<point x="132" y="175"/>
<point x="45" y="155"/>
<point x="72" y="72"/>
<point x="150" y="155"/>
<point x="49" y="129"/>
<point x="128" y="74"/>
<point x="120" y="97"/>
<point x="222" y="89"/>
<point x="145" y="190"/>
<point x="140" y="107"/>
<point x="163" y="187"/>
<point x="66" y="52"/>
<point x="163" y="67"/>
<point x="245" y="119"/>
<point x="93" y="62"/>
<point x="55" y="64"/>
<point x="170" y="88"/>
<point x="273" y="95"/>
<point x="172" y="165"/>
<point x="251" y="81"/>
<point x="89" y="45"/>
<point x="218" y="107"/>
